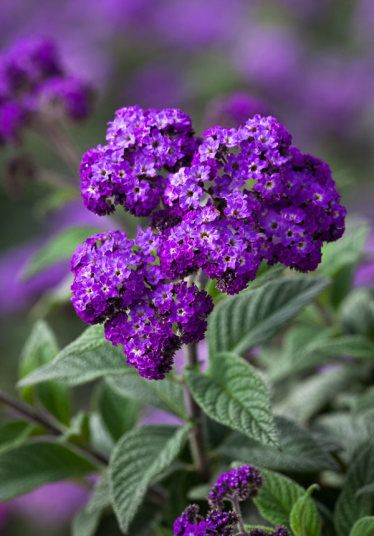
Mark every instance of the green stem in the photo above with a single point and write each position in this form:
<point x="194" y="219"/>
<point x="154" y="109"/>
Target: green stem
<point x="45" y="421"/>
<point x="196" y="436"/>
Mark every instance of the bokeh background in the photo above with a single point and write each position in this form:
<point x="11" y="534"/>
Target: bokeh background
<point x="308" y="62"/>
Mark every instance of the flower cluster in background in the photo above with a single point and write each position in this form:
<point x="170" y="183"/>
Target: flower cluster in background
<point x="235" y="486"/>
<point x="219" y="204"/>
<point x="33" y="82"/>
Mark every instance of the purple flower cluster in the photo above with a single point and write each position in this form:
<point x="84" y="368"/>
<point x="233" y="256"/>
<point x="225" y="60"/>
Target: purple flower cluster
<point x="142" y="145"/>
<point x="239" y="484"/>
<point x="219" y="204"/>
<point x="216" y="523"/>
<point x="117" y="281"/>
<point x="32" y="81"/>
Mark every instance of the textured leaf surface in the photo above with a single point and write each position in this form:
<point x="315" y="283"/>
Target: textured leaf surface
<point x="298" y="450"/>
<point x="59" y="248"/>
<point x="350" y="507"/>
<point x="234" y="395"/>
<point x="119" y="414"/>
<point x="136" y="460"/>
<point x="363" y="527"/>
<point x="166" y="394"/>
<point x="31" y="465"/>
<point x="40" y="349"/>
<point x="85" y="359"/>
<point x="344" y="252"/>
<point x="277" y="497"/>
<point x="252" y="317"/>
<point x="304" y="517"/>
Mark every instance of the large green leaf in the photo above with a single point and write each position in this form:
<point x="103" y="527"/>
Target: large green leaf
<point x="166" y="394"/>
<point x="137" y="459"/>
<point x="60" y="247"/>
<point x="350" y="506"/>
<point x="40" y="349"/>
<point x="234" y="395"/>
<point x="30" y="465"/>
<point x="85" y="359"/>
<point x="363" y="527"/>
<point x="87" y="520"/>
<point x="347" y="432"/>
<point x="119" y="414"/>
<point x="277" y="497"/>
<point x="304" y="517"/>
<point x="298" y="450"/>
<point x="252" y="317"/>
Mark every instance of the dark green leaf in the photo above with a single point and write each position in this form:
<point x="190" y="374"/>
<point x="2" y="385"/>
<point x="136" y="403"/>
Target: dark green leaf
<point x="137" y="459"/>
<point x="363" y="527"/>
<point x="33" y="464"/>
<point x="85" y="359"/>
<point x="351" y="507"/>
<point x="252" y="317"/>
<point x="60" y="247"/>
<point x="118" y="413"/>
<point x="40" y="349"/>
<point x="13" y="434"/>
<point x="298" y="450"/>
<point x="234" y="395"/>
<point x="167" y="394"/>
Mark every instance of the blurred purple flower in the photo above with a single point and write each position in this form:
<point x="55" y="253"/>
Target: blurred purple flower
<point x="4" y="509"/>
<point x="16" y="291"/>
<point x="234" y="109"/>
<point x="364" y="276"/>
<point x="51" y="505"/>
<point x="156" y="86"/>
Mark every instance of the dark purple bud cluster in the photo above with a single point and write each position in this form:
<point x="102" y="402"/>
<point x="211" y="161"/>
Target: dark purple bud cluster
<point x="32" y="80"/>
<point x="142" y="146"/>
<point x="238" y="484"/>
<point x="216" y="523"/>
<point x="219" y="205"/>
<point x="117" y="281"/>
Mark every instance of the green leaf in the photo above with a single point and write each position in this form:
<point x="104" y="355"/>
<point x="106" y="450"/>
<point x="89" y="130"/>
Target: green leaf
<point x="60" y="247"/>
<point x="40" y="349"/>
<point x="363" y="527"/>
<point x="366" y="489"/>
<point x="137" y="459"/>
<point x="13" y="434"/>
<point x="266" y="530"/>
<point x="33" y="464"/>
<point x="304" y="517"/>
<point x="311" y="395"/>
<point x="118" y="413"/>
<point x="344" y="252"/>
<point x="85" y="523"/>
<point x="233" y="394"/>
<point x="252" y="317"/>
<point x="357" y="311"/>
<point x="85" y="359"/>
<point x="351" y="507"/>
<point x="346" y="431"/>
<point x="166" y="394"/>
<point x="298" y="450"/>
<point x="321" y="350"/>
<point x="277" y="497"/>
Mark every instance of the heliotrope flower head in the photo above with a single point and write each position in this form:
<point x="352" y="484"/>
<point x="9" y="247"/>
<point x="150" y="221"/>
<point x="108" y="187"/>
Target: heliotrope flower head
<point x="218" y="205"/>
<point x="240" y="484"/>
<point x="117" y="281"/>
<point x="129" y="170"/>
<point x="216" y="523"/>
